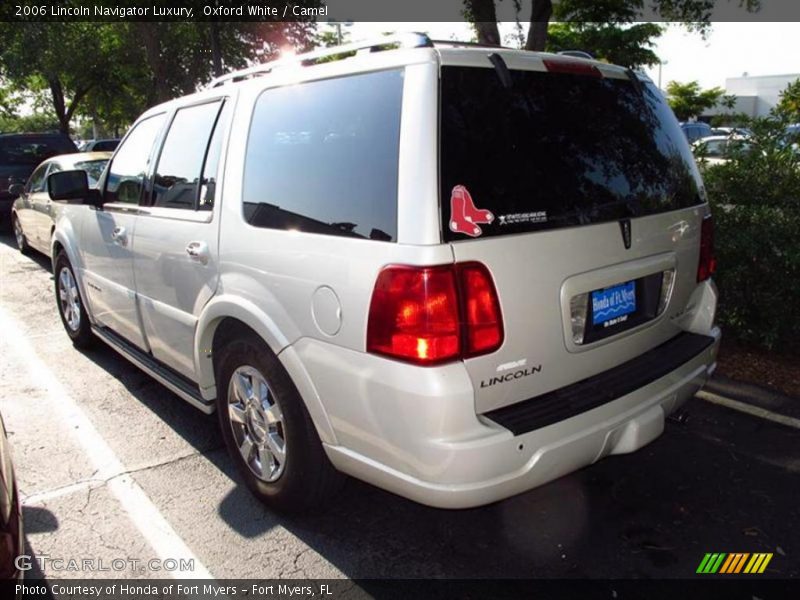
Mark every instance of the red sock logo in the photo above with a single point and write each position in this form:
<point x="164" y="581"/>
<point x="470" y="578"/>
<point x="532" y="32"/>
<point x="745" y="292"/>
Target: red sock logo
<point x="464" y="215"/>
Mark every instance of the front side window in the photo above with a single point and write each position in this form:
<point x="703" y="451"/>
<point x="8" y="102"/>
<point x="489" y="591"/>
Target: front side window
<point x="322" y="157"/>
<point x="128" y="170"/>
<point x="177" y="178"/>
<point x="36" y="182"/>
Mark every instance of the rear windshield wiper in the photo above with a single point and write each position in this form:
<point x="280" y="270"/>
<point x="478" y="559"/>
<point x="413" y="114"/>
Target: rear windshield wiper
<point x="500" y="67"/>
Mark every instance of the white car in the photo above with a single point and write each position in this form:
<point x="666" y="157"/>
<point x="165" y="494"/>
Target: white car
<point x="716" y="149"/>
<point x="34" y="214"/>
<point x="454" y="272"/>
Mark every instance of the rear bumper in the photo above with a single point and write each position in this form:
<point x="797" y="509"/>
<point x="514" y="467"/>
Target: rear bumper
<point x="415" y="433"/>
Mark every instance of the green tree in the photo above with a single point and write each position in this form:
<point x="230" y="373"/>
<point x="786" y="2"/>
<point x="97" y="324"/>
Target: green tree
<point x="694" y="13"/>
<point x="64" y="59"/>
<point x="687" y="100"/>
<point x="629" y="46"/>
<point x="789" y="103"/>
<point x="110" y="72"/>
<point x="756" y="207"/>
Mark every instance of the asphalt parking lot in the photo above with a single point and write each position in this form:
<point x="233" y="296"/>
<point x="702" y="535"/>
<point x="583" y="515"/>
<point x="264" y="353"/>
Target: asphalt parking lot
<point x="111" y="465"/>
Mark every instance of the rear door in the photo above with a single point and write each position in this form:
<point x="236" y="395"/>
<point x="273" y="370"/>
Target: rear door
<point x="175" y="249"/>
<point x="576" y="187"/>
<point x="106" y="234"/>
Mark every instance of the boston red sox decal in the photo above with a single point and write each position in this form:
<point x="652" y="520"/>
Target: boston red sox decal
<point x="465" y="217"/>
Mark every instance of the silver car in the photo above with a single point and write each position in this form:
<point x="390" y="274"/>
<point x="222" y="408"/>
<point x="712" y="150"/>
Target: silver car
<point x="34" y="214"/>
<point x="456" y="273"/>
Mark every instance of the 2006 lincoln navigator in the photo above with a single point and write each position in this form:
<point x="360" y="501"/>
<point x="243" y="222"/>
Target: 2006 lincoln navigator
<point x="453" y="272"/>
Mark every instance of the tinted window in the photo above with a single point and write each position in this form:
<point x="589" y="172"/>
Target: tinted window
<point x="105" y="146"/>
<point x="177" y="177"/>
<point x="208" y="188"/>
<point x="322" y="157"/>
<point x="129" y="167"/>
<point x="31" y="150"/>
<point x="37" y="181"/>
<point x="93" y="168"/>
<point x="556" y="150"/>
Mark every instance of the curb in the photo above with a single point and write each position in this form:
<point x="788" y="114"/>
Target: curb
<point x="754" y="395"/>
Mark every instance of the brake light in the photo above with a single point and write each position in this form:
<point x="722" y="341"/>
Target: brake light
<point x="707" y="264"/>
<point x="572" y="67"/>
<point x="483" y="325"/>
<point x="432" y="315"/>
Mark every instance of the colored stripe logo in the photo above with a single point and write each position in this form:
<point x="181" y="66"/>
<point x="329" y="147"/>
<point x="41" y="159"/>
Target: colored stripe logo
<point x="734" y="563"/>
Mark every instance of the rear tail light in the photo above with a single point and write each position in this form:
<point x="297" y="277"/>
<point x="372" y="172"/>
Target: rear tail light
<point x="707" y="264"/>
<point x="432" y="315"/>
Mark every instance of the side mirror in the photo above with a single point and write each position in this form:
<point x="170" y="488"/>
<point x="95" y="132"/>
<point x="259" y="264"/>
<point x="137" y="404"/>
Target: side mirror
<point x="72" y="186"/>
<point x="16" y="189"/>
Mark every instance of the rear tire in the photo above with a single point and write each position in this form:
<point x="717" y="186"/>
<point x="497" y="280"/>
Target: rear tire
<point x="19" y="235"/>
<point x="268" y="431"/>
<point x="70" y="304"/>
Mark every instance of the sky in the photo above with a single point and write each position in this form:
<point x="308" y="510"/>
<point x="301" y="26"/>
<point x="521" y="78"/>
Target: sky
<point x="730" y="50"/>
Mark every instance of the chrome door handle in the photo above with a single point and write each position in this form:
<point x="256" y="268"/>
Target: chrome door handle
<point x="198" y="251"/>
<point x="119" y="236"/>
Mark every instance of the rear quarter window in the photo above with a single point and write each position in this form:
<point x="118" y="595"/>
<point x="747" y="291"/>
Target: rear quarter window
<point x="322" y="157"/>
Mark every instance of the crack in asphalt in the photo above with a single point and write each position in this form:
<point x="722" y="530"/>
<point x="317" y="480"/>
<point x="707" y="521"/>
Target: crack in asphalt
<point x="87" y="483"/>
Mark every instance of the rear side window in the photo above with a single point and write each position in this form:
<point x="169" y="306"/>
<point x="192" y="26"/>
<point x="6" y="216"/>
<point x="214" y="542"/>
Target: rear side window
<point x="555" y="150"/>
<point x="127" y="171"/>
<point x="208" y="184"/>
<point x="177" y="179"/>
<point x="322" y="157"/>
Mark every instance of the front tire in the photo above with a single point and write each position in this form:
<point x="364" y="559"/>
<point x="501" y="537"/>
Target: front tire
<point x="19" y="235"/>
<point x="268" y="431"/>
<point x="70" y="304"/>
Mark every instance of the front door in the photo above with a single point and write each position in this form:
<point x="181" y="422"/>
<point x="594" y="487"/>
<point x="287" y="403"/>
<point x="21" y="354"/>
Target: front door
<point x="175" y="250"/>
<point x="107" y="235"/>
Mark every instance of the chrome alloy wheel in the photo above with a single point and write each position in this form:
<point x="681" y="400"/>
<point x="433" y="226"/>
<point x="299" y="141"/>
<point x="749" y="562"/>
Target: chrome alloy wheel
<point x="69" y="299"/>
<point x="257" y="423"/>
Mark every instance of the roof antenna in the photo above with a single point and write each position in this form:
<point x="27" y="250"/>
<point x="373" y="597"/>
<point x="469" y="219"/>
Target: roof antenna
<point x="502" y="70"/>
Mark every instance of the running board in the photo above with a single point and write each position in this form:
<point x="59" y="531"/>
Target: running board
<point x="176" y="383"/>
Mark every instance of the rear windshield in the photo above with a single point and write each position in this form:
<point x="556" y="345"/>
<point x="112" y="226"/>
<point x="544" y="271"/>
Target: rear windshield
<point x="93" y="168"/>
<point x="555" y="150"/>
<point x="32" y="150"/>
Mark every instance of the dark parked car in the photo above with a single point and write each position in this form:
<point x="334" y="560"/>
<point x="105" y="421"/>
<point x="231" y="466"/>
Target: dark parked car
<point x="11" y="537"/>
<point x="20" y="154"/>
<point x="696" y="131"/>
<point x="100" y="145"/>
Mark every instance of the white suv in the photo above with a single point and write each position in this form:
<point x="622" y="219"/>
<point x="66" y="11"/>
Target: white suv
<point x="454" y="272"/>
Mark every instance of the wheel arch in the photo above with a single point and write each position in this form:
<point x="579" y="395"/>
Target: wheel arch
<point x="222" y="319"/>
<point x="61" y="242"/>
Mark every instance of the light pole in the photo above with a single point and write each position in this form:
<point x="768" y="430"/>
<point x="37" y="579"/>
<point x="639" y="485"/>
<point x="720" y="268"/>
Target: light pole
<point x="661" y="63"/>
<point x="338" y="25"/>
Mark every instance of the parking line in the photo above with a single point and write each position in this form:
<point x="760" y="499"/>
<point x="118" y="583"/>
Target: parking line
<point x="749" y="409"/>
<point x="144" y="515"/>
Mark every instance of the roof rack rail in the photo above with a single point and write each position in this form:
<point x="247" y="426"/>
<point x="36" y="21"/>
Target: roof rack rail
<point x="388" y="42"/>
<point x="577" y="54"/>
<point x="468" y="44"/>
